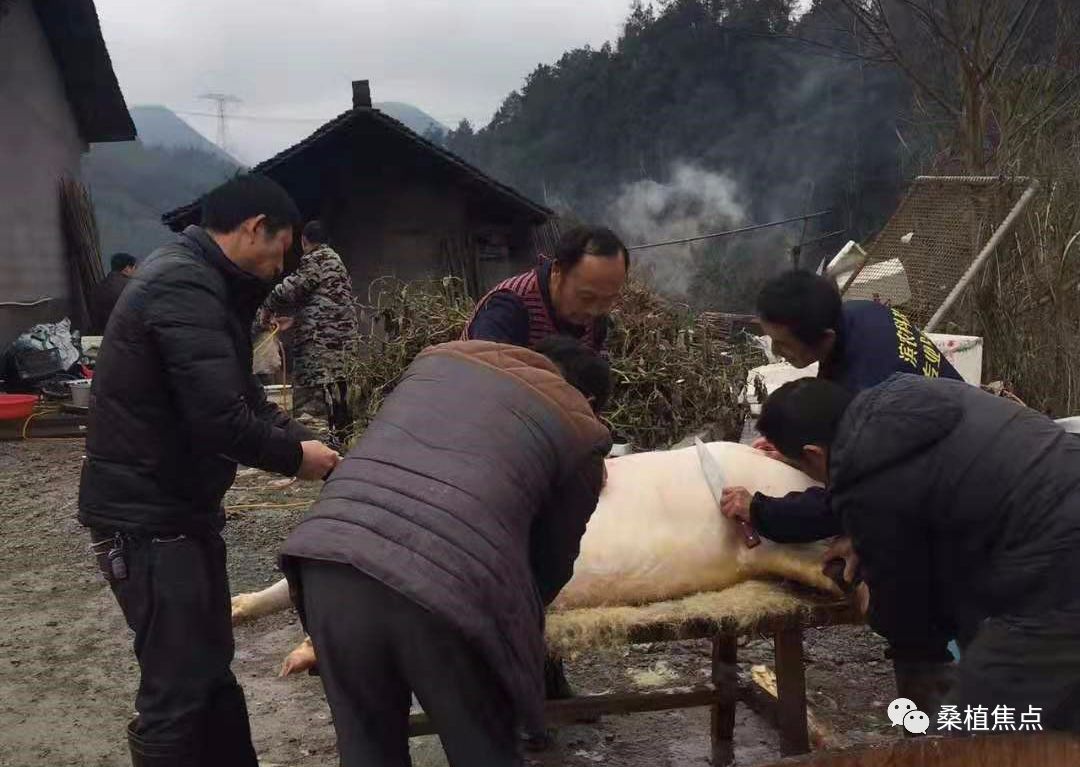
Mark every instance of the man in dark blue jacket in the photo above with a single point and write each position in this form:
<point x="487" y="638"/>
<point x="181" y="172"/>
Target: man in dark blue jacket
<point x="857" y="344"/>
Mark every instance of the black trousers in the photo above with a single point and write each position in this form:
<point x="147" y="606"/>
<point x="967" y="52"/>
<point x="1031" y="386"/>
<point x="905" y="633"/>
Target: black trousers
<point x="176" y="599"/>
<point x="338" y="418"/>
<point x="1024" y="663"/>
<point x="375" y="648"/>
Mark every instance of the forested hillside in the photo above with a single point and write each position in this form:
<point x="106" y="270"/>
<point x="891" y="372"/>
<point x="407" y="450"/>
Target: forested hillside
<point x="132" y="184"/>
<point x="704" y="114"/>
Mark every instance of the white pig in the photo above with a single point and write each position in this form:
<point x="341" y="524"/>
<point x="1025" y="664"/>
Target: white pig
<point x="656" y="534"/>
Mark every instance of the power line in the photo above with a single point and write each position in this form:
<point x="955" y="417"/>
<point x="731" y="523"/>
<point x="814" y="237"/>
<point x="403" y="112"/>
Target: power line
<point x="257" y="118"/>
<point x="729" y="232"/>
<point x="273" y="118"/>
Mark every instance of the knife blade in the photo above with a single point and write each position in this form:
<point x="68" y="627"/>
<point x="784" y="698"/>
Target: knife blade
<point x="714" y="478"/>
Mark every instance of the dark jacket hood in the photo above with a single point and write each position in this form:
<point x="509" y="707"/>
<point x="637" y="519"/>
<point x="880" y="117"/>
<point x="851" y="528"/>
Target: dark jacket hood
<point x="890" y="423"/>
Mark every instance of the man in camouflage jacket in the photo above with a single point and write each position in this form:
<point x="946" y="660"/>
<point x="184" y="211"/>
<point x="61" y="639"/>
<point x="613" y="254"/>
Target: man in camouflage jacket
<point x="319" y="296"/>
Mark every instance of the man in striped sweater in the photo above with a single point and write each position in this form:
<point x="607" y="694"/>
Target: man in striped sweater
<point x="569" y="294"/>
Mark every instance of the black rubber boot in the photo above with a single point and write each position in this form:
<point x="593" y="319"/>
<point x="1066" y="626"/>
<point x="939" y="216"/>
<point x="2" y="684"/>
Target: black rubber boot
<point x="557" y="686"/>
<point x="228" y="731"/>
<point x="925" y="684"/>
<point x="160" y="753"/>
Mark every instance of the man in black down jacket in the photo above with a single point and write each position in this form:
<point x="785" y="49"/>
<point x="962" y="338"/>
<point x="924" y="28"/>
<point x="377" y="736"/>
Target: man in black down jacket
<point x="964" y="509"/>
<point x="432" y="552"/>
<point x="174" y="407"/>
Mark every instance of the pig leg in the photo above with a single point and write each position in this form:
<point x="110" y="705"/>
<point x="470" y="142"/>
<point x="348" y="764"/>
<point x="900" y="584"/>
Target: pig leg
<point x="300" y="659"/>
<point x="246" y="607"/>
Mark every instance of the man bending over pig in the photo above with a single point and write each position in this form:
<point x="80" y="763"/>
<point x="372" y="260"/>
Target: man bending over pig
<point x="964" y="510"/>
<point x="428" y="560"/>
<point x="857" y="344"/>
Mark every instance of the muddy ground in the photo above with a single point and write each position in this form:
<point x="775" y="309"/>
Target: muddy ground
<point x="68" y="675"/>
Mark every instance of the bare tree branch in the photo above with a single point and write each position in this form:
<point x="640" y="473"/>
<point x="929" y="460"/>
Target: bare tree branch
<point x="1023" y="34"/>
<point x="886" y="39"/>
<point x="931" y="22"/>
<point x="1053" y="105"/>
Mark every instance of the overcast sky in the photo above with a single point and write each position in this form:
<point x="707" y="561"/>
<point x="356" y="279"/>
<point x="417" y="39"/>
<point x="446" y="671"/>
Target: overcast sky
<point x="451" y="58"/>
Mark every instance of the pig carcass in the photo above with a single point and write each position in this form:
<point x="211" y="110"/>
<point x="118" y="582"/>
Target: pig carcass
<point x="656" y="534"/>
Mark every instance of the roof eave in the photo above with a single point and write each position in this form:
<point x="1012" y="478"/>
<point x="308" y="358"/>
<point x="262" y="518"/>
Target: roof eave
<point x="532" y="210"/>
<point x="73" y="32"/>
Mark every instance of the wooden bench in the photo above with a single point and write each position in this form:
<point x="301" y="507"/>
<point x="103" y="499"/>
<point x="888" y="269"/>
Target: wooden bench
<point x="753" y="609"/>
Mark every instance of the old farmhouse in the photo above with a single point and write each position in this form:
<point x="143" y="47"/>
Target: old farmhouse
<point x="396" y="204"/>
<point x="58" y="94"/>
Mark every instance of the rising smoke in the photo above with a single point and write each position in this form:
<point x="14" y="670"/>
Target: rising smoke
<point x="692" y="201"/>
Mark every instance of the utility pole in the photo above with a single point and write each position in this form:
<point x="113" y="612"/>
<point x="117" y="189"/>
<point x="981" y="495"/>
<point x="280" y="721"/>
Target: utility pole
<point x="221" y="100"/>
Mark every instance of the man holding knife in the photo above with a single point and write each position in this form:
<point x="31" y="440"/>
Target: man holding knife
<point x="858" y="345"/>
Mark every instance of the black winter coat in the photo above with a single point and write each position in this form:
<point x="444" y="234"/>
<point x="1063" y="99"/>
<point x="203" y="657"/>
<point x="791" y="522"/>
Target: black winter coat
<point x="873" y="342"/>
<point x="174" y="405"/>
<point x="468" y="493"/>
<point x="961" y="506"/>
<point x="104" y="297"/>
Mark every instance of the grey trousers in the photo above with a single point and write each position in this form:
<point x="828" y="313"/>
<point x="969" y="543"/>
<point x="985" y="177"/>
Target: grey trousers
<point x="376" y="648"/>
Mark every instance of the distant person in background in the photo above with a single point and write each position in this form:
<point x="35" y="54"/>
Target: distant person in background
<point x="324" y="328"/>
<point x="107" y="292"/>
<point x="570" y="294"/>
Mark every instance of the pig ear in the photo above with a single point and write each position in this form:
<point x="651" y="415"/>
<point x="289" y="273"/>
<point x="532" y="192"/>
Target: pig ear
<point x="815" y="461"/>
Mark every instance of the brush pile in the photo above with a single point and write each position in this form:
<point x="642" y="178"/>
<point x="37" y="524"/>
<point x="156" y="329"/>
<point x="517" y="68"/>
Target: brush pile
<point x="670" y="377"/>
<point x="398" y="322"/>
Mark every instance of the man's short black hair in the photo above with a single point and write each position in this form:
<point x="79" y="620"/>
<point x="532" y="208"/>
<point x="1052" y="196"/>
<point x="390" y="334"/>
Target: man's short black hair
<point x="245" y="196"/>
<point x="803" y="412"/>
<point x="121" y="261"/>
<point x="582" y="368"/>
<point x="314" y="232"/>
<point x="805" y="303"/>
<point x="580" y="241"/>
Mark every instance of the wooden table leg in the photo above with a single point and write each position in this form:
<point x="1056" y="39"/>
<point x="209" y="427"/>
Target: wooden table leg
<point x="791" y="692"/>
<point x="725" y="678"/>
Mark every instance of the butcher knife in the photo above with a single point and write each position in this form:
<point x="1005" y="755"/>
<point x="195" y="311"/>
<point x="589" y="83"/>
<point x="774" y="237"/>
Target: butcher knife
<point x="714" y="478"/>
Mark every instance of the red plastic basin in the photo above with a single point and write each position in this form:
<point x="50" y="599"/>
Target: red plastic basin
<point x="15" y="407"/>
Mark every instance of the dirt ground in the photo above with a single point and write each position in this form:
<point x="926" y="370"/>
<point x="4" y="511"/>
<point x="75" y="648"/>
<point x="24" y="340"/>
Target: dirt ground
<point x="68" y="675"/>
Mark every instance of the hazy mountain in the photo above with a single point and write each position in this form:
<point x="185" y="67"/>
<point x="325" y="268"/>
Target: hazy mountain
<point x="133" y="183"/>
<point x="414" y="118"/>
<point x="159" y="126"/>
<point x="170" y="164"/>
